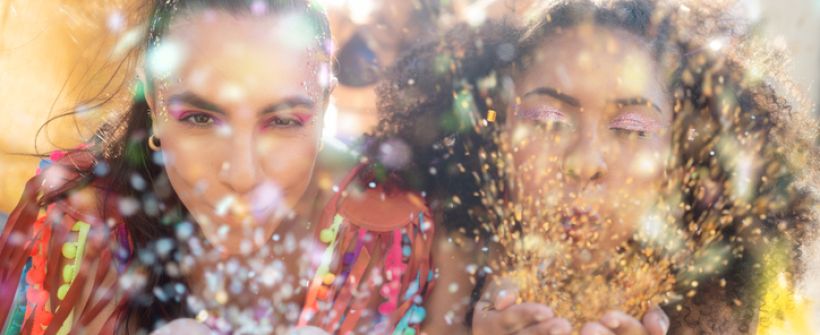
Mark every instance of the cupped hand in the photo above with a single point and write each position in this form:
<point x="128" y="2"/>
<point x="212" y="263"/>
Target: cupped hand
<point x="183" y="326"/>
<point x="655" y="322"/>
<point x="307" y="330"/>
<point x="500" y="314"/>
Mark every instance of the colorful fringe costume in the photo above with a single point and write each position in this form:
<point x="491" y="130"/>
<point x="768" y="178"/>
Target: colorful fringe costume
<point x="378" y="242"/>
<point x="58" y="273"/>
<point x="59" y="265"/>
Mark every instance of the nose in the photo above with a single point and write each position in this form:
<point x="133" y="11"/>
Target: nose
<point x="240" y="172"/>
<point x="584" y="161"/>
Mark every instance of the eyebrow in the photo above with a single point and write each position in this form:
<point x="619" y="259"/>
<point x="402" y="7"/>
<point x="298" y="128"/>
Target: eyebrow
<point x="197" y="101"/>
<point x="574" y="102"/>
<point x="296" y="101"/>
<point x="636" y="101"/>
<point x="544" y="90"/>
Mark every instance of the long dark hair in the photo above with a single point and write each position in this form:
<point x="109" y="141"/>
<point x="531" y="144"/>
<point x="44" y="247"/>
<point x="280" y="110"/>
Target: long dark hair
<point x="437" y="96"/>
<point x="127" y="170"/>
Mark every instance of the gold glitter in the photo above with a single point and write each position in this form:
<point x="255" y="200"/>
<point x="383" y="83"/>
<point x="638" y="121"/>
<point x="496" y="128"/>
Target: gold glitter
<point x="491" y="116"/>
<point x="221" y="297"/>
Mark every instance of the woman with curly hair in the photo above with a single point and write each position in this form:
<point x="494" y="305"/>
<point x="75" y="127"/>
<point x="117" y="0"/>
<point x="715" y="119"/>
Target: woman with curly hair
<point x="601" y="161"/>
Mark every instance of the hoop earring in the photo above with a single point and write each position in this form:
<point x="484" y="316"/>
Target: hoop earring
<point x="154" y="143"/>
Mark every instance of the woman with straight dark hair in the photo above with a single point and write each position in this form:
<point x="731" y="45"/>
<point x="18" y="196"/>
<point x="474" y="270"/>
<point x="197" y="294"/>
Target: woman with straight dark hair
<point x="198" y="206"/>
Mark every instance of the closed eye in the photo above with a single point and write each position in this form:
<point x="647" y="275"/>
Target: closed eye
<point x="552" y="117"/>
<point x="633" y="124"/>
<point x="628" y="132"/>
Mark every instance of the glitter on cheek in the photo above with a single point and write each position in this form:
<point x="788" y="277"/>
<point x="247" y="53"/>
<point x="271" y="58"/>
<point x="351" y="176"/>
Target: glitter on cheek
<point x="646" y="164"/>
<point x="520" y="134"/>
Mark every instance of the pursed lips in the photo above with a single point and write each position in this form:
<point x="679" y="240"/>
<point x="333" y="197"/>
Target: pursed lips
<point x="575" y="218"/>
<point x="237" y="205"/>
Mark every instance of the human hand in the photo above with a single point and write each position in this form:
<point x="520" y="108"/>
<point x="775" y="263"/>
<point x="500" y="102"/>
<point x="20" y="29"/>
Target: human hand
<point x="183" y="326"/>
<point x="500" y="314"/>
<point x="655" y="322"/>
<point x="307" y="330"/>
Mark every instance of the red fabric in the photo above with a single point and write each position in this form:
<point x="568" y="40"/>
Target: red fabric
<point x="15" y="245"/>
<point x="373" y="216"/>
<point x="369" y="212"/>
<point x="21" y="235"/>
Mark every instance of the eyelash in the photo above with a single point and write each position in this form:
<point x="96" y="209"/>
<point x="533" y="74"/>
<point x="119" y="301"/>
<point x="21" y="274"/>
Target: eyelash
<point x="624" y="125"/>
<point x="286" y="123"/>
<point x="190" y="118"/>
<point x="629" y="124"/>
<point x="275" y="122"/>
<point x="550" y="116"/>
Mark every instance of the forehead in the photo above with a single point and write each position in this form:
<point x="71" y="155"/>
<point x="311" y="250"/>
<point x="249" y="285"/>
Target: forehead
<point x="288" y="27"/>
<point x="594" y="60"/>
<point x="251" y="52"/>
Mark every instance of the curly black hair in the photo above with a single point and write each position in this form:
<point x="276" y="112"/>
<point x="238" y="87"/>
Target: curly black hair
<point x="436" y="102"/>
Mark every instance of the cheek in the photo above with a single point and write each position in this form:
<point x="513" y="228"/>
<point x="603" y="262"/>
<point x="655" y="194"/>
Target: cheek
<point x="534" y="148"/>
<point x="536" y="167"/>
<point x="638" y="173"/>
<point x="192" y="162"/>
<point x="537" y="162"/>
<point x="643" y="161"/>
<point x="288" y="162"/>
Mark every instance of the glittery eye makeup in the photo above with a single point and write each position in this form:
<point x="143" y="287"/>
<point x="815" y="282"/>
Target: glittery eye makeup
<point x="550" y="117"/>
<point x="635" y="122"/>
<point x="303" y="118"/>
<point x="194" y="111"/>
<point x="192" y="117"/>
<point x="196" y="118"/>
<point x="541" y="113"/>
<point x="285" y="120"/>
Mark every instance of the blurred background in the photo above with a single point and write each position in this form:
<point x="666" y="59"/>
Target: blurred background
<point x="63" y="56"/>
<point x="77" y="58"/>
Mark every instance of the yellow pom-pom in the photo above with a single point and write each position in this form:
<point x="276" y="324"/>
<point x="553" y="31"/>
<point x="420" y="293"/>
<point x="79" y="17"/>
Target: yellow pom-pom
<point x="62" y="291"/>
<point x="328" y="279"/>
<point x="326" y="236"/>
<point x="68" y="273"/>
<point x="70" y="250"/>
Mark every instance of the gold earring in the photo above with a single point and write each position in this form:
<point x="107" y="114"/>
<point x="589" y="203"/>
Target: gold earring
<point x="154" y="143"/>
